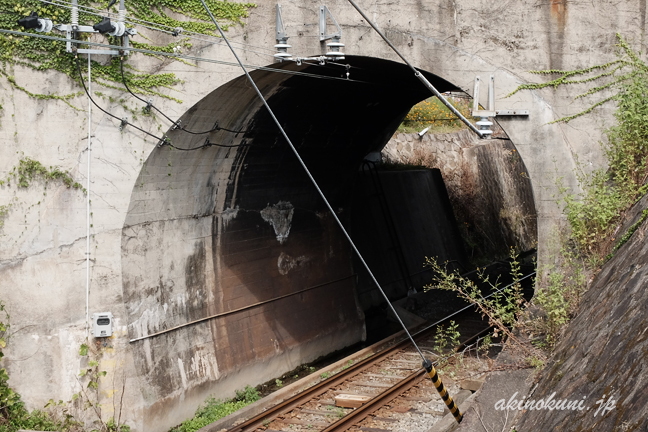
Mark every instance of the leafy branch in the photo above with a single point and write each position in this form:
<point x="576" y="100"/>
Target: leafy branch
<point x="628" y="60"/>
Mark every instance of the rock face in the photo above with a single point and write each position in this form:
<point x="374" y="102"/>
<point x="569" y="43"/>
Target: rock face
<point x="603" y="354"/>
<point x="488" y="185"/>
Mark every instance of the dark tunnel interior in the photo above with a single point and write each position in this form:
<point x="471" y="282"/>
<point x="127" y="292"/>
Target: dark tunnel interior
<point x="234" y="229"/>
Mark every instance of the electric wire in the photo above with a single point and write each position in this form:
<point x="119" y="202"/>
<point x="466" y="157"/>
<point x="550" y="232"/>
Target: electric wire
<point x="176" y="55"/>
<point x="190" y="34"/>
<point x="176" y="124"/>
<point x="139" y="21"/>
<point x="312" y="179"/>
<point x="123" y="121"/>
<point x="161" y="140"/>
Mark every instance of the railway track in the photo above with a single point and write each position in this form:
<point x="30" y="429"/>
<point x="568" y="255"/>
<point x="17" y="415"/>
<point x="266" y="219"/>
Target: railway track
<point x="393" y="378"/>
<point x="389" y="391"/>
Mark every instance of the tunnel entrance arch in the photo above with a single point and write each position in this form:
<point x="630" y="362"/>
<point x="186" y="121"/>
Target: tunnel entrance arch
<point x="226" y="224"/>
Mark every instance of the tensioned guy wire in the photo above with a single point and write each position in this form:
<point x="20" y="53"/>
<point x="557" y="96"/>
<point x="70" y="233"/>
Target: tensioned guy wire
<point x="312" y="179"/>
<point x="418" y="74"/>
<point x="427" y="364"/>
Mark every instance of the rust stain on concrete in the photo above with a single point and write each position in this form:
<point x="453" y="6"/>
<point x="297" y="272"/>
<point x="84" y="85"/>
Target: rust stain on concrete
<point x="559" y="13"/>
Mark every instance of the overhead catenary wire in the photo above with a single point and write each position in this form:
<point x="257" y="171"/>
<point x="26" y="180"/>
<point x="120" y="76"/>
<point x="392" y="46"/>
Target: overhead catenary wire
<point x="310" y="176"/>
<point x="177" y="55"/>
<point x="152" y="26"/>
<point x="418" y="74"/>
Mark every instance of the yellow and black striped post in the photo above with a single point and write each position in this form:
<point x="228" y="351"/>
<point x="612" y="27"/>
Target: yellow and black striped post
<point x="454" y="409"/>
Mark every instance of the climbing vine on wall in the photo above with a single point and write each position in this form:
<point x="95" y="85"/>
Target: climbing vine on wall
<point x="608" y="76"/>
<point x="41" y="54"/>
<point x="597" y="212"/>
<point x="29" y="170"/>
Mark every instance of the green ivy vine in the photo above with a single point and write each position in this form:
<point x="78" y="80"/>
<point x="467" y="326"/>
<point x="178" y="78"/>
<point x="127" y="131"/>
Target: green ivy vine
<point x="617" y="72"/>
<point x="42" y="54"/>
<point x="29" y="170"/>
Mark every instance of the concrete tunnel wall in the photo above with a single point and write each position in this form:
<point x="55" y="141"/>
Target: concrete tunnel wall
<point x="216" y="229"/>
<point x="43" y="248"/>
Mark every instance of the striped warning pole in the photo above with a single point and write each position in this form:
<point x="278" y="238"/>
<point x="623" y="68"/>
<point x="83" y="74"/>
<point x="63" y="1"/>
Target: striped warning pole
<point x="454" y="409"/>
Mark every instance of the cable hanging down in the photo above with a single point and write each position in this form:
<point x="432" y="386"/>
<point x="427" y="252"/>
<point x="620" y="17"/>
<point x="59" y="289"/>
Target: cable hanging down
<point x="177" y="55"/>
<point x="162" y="141"/>
<point x="176" y="124"/>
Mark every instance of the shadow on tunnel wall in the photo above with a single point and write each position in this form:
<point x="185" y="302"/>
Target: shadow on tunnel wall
<point x="234" y="230"/>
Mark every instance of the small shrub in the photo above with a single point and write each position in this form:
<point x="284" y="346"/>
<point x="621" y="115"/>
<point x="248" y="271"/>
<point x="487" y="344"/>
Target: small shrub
<point x="446" y="337"/>
<point x="501" y="308"/>
<point x="215" y="409"/>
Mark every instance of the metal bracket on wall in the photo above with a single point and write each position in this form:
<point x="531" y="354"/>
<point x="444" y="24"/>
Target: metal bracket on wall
<point x="485" y="124"/>
<point x="335" y="45"/>
<point x="118" y="28"/>
<point x="281" y="38"/>
<point x="323" y="14"/>
<point x="68" y="29"/>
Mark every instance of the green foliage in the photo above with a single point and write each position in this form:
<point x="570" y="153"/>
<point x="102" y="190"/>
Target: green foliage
<point x="446" y="338"/>
<point x="606" y="194"/>
<point x="248" y="394"/>
<point x="625" y="237"/>
<point x="557" y="296"/>
<point x="613" y="75"/>
<point x="432" y="112"/>
<point x="41" y="54"/>
<point x="325" y="375"/>
<point x="4" y="209"/>
<point x="501" y="308"/>
<point x="214" y="409"/>
<point x="29" y="170"/>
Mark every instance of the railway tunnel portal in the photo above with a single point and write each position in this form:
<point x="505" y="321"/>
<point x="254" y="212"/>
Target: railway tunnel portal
<point x="192" y="215"/>
<point x="232" y="265"/>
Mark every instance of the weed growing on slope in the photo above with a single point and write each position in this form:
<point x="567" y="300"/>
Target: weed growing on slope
<point x="214" y="409"/>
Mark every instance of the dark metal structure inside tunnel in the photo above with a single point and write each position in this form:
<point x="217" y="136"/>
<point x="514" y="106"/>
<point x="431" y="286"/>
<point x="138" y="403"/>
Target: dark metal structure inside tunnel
<point x="226" y="233"/>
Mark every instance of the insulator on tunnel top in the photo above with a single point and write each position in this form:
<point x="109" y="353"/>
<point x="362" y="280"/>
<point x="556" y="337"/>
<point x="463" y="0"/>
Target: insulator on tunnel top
<point x="282" y="50"/>
<point x="334" y="49"/>
<point x="484" y="127"/>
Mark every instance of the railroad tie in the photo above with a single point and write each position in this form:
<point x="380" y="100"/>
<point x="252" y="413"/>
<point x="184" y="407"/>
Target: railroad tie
<point x="454" y="409"/>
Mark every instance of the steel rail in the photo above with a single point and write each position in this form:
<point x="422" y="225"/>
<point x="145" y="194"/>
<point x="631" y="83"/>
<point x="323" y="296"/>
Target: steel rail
<point x="317" y="390"/>
<point x="323" y="386"/>
<point x="377" y="402"/>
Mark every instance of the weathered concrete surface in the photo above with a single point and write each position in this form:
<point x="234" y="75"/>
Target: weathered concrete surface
<point x="602" y="356"/>
<point x="220" y="228"/>
<point x="42" y="251"/>
<point x="420" y="216"/>
<point x="488" y="185"/>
